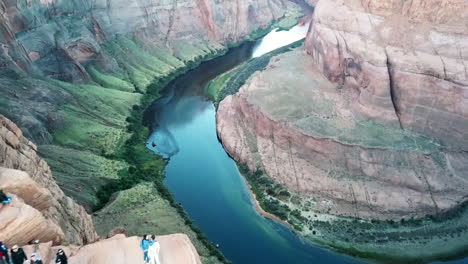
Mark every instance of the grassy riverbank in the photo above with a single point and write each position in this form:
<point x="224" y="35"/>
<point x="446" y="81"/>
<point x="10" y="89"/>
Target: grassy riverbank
<point x="144" y="198"/>
<point x="230" y="82"/>
<point x="99" y="156"/>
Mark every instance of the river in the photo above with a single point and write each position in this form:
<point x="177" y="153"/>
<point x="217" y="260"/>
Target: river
<point x="206" y="181"/>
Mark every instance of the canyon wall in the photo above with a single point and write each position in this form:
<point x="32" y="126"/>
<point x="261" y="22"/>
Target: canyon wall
<point x="73" y="71"/>
<point x="402" y="63"/>
<point x="73" y="76"/>
<point x="372" y="123"/>
<point x="359" y="139"/>
<point x="39" y="209"/>
<point x="74" y="41"/>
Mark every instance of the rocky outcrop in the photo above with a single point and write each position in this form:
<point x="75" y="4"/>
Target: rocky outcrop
<point x="39" y="210"/>
<point x="175" y="249"/>
<point x="400" y="63"/>
<point x="300" y="128"/>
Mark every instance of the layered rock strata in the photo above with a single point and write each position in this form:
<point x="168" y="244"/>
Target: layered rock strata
<point x="76" y="41"/>
<point x="40" y="210"/>
<point x="400" y="63"/>
<point x="297" y="125"/>
<point x="373" y="123"/>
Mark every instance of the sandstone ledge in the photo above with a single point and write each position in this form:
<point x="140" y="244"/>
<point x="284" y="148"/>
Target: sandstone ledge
<point x="175" y="249"/>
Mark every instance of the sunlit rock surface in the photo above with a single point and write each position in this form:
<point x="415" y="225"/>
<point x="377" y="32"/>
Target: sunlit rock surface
<point x="175" y="249"/>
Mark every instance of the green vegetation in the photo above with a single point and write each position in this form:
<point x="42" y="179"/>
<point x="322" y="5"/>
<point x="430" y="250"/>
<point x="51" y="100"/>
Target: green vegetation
<point x="98" y="153"/>
<point x="144" y="210"/>
<point x="110" y="81"/>
<point x="229" y="83"/>
<point x="145" y="167"/>
<point x="409" y="240"/>
<point x="273" y="197"/>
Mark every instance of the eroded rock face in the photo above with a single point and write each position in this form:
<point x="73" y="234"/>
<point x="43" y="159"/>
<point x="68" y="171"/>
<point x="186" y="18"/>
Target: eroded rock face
<point x="300" y="128"/>
<point x="374" y="123"/>
<point x="83" y="34"/>
<point x="31" y="41"/>
<point x="401" y="63"/>
<point x="21" y="223"/>
<point x="40" y="210"/>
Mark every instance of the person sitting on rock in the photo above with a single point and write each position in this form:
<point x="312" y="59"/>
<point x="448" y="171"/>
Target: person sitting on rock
<point x="144" y="245"/>
<point x="17" y="255"/>
<point x="61" y="257"/>
<point x="35" y="259"/>
<point x="4" y="199"/>
<point x="4" y="259"/>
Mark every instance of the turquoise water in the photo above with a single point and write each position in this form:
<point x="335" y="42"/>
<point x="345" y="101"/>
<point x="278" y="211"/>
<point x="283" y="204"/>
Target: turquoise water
<point x="206" y="181"/>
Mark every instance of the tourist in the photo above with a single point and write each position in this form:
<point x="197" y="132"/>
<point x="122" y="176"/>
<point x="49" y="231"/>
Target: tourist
<point x="4" y="259"/>
<point x="4" y="199"/>
<point x="153" y="251"/>
<point x="35" y="259"/>
<point x="144" y="245"/>
<point x="17" y="255"/>
<point x="61" y="257"/>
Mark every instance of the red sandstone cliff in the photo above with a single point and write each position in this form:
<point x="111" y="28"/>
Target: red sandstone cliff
<point x="39" y="209"/>
<point x="373" y="123"/>
<point x="402" y="63"/>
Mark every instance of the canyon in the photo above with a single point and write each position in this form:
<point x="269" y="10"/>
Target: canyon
<point x="356" y="137"/>
<point x="40" y="211"/>
<point x="73" y="76"/>
<point x="363" y="129"/>
<point x="62" y="60"/>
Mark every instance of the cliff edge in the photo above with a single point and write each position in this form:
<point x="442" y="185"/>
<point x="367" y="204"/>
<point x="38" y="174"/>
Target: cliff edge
<point x="39" y="210"/>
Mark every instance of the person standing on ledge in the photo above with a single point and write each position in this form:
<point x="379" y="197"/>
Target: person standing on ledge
<point x="17" y="255"/>
<point x="61" y="257"/>
<point x="144" y="245"/>
<point x="153" y="251"/>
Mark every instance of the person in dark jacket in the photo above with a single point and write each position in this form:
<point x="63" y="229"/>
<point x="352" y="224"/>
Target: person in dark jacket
<point x="61" y="257"/>
<point x="35" y="259"/>
<point x="4" y="254"/>
<point x="17" y="255"/>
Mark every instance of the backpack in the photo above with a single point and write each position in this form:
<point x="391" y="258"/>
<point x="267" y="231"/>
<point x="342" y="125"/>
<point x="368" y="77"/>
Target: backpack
<point x="3" y="250"/>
